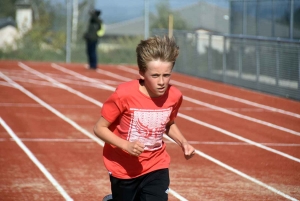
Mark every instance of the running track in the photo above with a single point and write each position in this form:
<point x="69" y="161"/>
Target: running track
<point x="248" y="143"/>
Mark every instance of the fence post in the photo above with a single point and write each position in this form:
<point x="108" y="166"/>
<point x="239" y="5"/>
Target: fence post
<point x="277" y="64"/>
<point x="224" y="58"/>
<point x="198" y="52"/>
<point x="69" y="27"/>
<point x="292" y="20"/>
<point x="146" y="18"/>
<point x="240" y="59"/>
<point x="257" y="51"/>
<point x="209" y="63"/>
<point x="298" y="72"/>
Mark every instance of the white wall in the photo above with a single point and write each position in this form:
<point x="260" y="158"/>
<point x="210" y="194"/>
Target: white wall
<point x="24" y="19"/>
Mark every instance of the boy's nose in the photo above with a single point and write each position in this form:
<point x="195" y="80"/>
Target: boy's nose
<point x="161" y="80"/>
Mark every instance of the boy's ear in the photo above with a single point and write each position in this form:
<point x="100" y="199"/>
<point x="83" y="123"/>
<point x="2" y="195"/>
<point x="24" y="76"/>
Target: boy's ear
<point x="141" y="75"/>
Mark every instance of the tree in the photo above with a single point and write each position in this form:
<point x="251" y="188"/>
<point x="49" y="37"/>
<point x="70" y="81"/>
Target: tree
<point x="7" y="8"/>
<point x="161" y="21"/>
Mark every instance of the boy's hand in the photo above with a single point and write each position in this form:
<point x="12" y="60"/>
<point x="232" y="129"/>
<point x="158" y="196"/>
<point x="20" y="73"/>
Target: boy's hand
<point x="188" y="150"/>
<point x="135" y="148"/>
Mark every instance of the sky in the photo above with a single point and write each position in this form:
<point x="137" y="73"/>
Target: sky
<point x="120" y="10"/>
<point x="114" y="11"/>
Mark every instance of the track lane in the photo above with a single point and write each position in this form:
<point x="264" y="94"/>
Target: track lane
<point x="58" y="169"/>
<point x="210" y="100"/>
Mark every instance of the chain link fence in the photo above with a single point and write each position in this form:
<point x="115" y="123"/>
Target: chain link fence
<point x="249" y="43"/>
<point x="271" y="66"/>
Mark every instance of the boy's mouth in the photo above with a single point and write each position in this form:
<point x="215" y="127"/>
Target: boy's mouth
<point x="161" y="89"/>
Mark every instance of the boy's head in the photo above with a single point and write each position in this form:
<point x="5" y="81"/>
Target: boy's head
<point x="156" y="48"/>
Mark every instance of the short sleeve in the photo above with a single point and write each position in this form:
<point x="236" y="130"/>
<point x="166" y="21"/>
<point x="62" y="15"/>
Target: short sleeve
<point x="112" y="108"/>
<point x="175" y="109"/>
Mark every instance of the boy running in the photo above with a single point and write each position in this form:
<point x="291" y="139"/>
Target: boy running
<point x="133" y="121"/>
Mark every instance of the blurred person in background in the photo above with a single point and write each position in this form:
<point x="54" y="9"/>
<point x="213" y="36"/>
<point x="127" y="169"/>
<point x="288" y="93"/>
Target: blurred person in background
<point x="91" y="38"/>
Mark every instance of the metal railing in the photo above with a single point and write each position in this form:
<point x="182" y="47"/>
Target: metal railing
<point x="269" y="65"/>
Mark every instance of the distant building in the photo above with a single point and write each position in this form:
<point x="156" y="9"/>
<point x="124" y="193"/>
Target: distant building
<point x="10" y="30"/>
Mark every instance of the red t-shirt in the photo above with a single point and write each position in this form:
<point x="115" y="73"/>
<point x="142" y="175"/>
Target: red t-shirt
<point x="135" y="116"/>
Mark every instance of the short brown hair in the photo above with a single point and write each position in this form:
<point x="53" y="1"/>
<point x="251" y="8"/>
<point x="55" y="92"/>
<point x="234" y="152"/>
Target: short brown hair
<point x="154" y="48"/>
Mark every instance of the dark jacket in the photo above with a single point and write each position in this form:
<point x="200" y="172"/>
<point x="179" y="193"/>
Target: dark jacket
<point x="94" y="25"/>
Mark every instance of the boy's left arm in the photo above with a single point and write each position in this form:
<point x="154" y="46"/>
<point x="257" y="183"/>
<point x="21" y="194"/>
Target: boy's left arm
<point x="174" y="133"/>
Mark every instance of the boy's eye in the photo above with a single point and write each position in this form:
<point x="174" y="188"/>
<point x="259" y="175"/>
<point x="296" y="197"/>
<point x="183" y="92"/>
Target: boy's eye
<point x="167" y="75"/>
<point x="155" y="75"/>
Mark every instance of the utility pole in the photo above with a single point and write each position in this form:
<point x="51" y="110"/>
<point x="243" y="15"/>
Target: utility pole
<point x="146" y="19"/>
<point x="74" y="22"/>
<point x="69" y="28"/>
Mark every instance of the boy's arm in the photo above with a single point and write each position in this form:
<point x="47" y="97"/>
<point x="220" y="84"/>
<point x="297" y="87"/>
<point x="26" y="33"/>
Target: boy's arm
<point x="174" y="133"/>
<point x="102" y="131"/>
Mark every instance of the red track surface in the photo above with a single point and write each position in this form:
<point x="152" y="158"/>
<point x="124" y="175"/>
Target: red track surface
<point x="245" y="152"/>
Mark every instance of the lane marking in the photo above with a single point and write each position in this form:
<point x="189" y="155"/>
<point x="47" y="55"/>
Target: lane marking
<point x="188" y="86"/>
<point x="60" y="114"/>
<point x="53" y="140"/>
<point x="239" y="172"/>
<point x="198" y="152"/>
<point x="38" y="105"/>
<point x="63" y="86"/>
<point x="242" y="116"/>
<point x="33" y="79"/>
<point x="191" y="142"/>
<point x="204" y="124"/>
<point x="56" y="112"/>
<point x="36" y="161"/>
<point x="227" y="111"/>
<point x="2" y="83"/>
<point x="237" y="137"/>
<point x="77" y="75"/>
<point x="185" y="98"/>
<point x="244" y="144"/>
<point x="228" y="167"/>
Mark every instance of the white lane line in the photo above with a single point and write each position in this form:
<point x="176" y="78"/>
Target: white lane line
<point x="58" y="84"/>
<point x="177" y="195"/>
<point x="238" y="137"/>
<point x="238" y="172"/>
<point x="53" y="140"/>
<point x="232" y="169"/>
<point x="60" y="114"/>
<point x="224" y="132"/>
<point x="2" y="83"/>
<point x="258" y="110"/>
<point x="57" y="112"/>
<point x="127" y="69"/>
<point x="77" y="75"/>
<point x="38" y="105"/>
<point x="225" y="110"/>
<point x="36" y="161"/>
<point x="241" y="116"/>
<point x="244" y="144"/>
<point x="110" y="74"/>
<point x="67" y="79"/>
<point x="191" y="142"/>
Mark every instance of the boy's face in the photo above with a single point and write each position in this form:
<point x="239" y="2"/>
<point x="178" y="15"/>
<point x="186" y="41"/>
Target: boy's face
<point x="156" y="78"/>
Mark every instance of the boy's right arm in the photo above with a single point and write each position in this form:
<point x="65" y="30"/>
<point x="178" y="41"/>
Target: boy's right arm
<point x="102" y="131"/>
